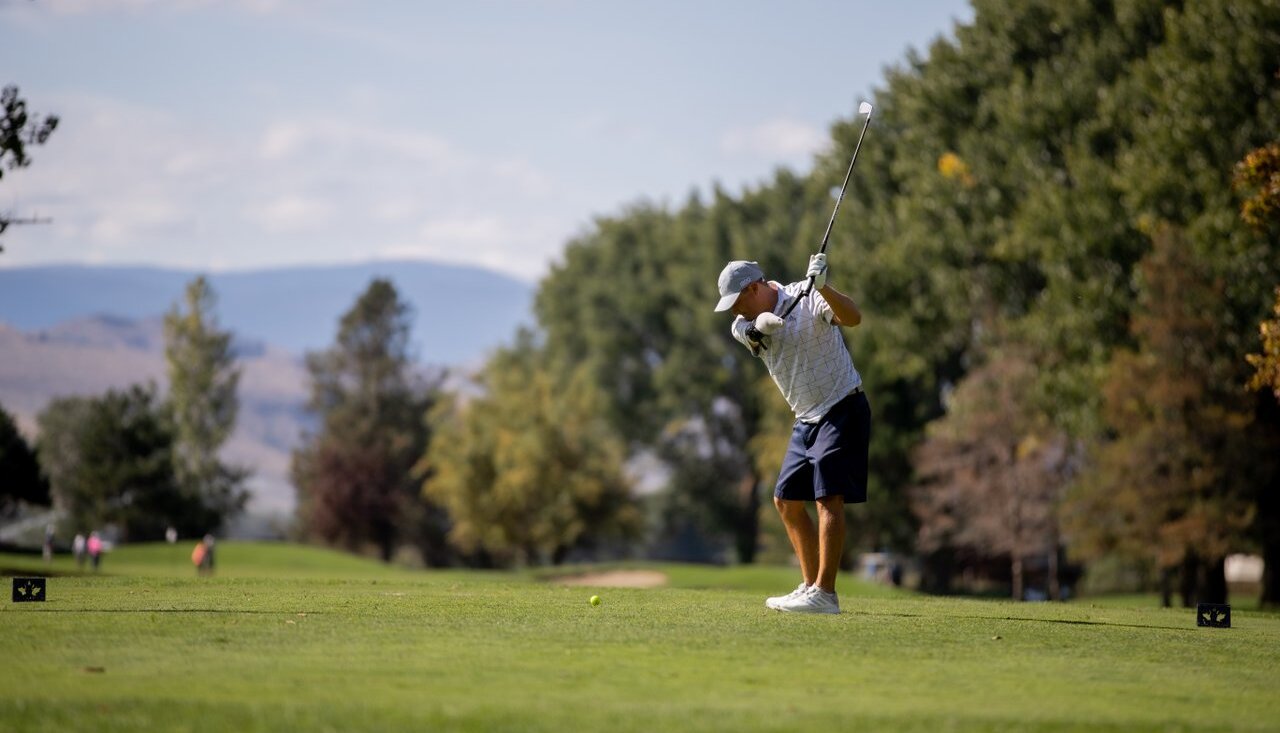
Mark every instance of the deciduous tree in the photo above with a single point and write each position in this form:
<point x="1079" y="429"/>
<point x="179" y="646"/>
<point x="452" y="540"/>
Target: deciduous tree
<point x="531" y="469"/>
<point x="18" y="131"/>
<point x="1173" y="484"/>
<point x="992" y="472"/>
<point x="110" y="461"/>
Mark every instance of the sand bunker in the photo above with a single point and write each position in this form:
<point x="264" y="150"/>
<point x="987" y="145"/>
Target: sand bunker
<point x="617" y="579"/>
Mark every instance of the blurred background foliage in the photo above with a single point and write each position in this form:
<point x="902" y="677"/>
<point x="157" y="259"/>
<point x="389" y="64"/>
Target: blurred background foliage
<point x="1059" y="285"/>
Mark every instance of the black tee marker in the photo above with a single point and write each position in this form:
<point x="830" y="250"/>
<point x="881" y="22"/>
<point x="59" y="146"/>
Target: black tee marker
<point x="26" y="590"/>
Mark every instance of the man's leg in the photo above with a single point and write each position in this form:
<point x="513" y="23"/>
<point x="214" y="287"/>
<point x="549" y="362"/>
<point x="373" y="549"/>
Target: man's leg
<point x="830" y="540"/>
<point x="803" y="536"/>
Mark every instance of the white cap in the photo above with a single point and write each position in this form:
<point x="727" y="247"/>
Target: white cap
<point x="733" y="278"/>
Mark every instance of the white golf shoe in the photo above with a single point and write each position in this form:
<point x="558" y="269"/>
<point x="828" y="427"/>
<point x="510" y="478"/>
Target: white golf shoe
<point x="812" y="600"/>
<point x="773" y="601"/>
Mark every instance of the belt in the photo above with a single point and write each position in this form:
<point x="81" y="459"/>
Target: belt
<point x="854" y="393"/>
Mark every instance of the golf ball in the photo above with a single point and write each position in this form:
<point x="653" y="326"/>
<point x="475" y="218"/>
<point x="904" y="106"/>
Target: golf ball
<point x="595" y="600"/>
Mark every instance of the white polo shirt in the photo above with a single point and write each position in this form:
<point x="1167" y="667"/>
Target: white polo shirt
<point x="808" y="358"/>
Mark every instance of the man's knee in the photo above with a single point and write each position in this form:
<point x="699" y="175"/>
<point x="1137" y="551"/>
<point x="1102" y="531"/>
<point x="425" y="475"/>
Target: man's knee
<point x="788" y="508"/>
<point x="831" y="505"/>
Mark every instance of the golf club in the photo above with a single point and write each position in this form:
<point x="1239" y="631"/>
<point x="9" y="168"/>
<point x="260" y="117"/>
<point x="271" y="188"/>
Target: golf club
<point x="863" y="109"/>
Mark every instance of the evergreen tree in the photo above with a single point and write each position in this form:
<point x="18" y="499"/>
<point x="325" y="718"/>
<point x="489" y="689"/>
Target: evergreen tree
<point x="203" y="378"/>
<point x="23" y="480"/>
<point x="354" y="476"/>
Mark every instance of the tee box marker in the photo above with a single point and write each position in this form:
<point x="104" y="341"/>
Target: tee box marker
<point x="27" y="590"/>
<point x="1213" y="615"/>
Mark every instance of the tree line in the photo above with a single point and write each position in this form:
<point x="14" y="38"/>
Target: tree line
<point x="1062" y="232"/>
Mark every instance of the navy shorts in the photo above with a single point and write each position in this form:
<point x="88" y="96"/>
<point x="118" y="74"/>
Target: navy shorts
<point x="829" y="457"/>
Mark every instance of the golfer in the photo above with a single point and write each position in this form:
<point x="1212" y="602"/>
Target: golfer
<point x="826" y="460"/>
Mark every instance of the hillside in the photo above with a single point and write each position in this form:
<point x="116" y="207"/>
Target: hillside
<point x="459" y="312"/>
<point x="89" y="356"/>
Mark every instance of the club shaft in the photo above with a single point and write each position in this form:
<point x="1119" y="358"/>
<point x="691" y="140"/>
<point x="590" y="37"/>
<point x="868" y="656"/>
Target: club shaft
<point x="831" y="223"/>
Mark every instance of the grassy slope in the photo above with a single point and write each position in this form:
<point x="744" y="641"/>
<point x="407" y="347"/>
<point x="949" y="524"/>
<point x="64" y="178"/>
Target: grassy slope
<point x="292" y="638"/>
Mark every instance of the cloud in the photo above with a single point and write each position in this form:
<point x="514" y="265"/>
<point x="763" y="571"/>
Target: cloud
<point x="495" y="241"/>
<point x="319" y="138"/>
<point x="478" y="230"/>
<point x="127" y="182"/>
<point x="82" y="7"/>
<point x="293" y="213"/>
<point x="780" y="138"/>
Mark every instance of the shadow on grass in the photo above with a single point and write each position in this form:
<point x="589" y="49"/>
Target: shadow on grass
<point x="31" y="609"/>
<point x="1073" y="622"/>
<point x="10" y="572"/>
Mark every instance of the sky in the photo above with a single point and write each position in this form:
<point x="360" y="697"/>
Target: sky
<point x="218" y="135"/>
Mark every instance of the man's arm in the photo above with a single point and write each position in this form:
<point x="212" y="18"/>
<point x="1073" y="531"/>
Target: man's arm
<point x="844" y="312"/>
<point x="739" y="330"/>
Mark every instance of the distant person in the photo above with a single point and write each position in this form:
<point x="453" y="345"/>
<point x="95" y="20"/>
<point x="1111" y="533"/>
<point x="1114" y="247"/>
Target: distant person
<point x="48" y="543"/>
<point x="171" y="535"/>
<point x="826" y="460"/>
<point x="204" y="566"/>
<point x="94" y="546"/>
<point x="78" y="549"/>
<point x="197" y="557"/>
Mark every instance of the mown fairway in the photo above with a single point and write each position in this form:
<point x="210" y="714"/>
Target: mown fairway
<point x="288" y="638"/>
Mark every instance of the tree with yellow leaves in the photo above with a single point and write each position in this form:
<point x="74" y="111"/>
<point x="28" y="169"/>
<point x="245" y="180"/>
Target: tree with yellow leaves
<point x="1266" y="365"/>
<point x="531" y="469"/>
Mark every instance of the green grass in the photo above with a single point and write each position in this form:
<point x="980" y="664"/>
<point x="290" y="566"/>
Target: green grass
<point x="288" y="638"/>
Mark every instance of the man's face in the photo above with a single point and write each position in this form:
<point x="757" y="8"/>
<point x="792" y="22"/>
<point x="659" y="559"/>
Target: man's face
<point x="752" y="301"/>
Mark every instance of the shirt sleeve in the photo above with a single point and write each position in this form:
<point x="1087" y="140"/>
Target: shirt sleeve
<point x="822" y="308"/>
<point x="739" y="330"/>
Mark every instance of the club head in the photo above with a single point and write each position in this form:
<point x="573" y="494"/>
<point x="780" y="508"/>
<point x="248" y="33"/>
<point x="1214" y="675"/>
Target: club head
<point x="865" y="109"/>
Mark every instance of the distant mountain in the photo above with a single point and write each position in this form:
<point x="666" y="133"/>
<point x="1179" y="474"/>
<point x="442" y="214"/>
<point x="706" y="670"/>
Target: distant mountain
<point x="86" y="357"/>
<point x="459" y="313"/>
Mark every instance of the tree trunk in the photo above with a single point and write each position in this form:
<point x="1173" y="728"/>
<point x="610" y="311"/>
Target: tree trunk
<point x="1214" y="589"/>
<point x="937" y="571"/>
<point x="1270" y="573"/>
<point x="559" y="554"/>
<point x="1016" y="569"/>
<point x="1190" y="581"/>
<point x="749" y="520"/>
<point x="1055" y="588"/>
<point x="1166" y="587"/>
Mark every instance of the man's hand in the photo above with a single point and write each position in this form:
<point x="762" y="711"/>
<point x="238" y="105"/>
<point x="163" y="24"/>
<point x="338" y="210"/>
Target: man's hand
<point x="745" y="332"/>
<point x="817" y="271"/>
<point x="768" y="323"/>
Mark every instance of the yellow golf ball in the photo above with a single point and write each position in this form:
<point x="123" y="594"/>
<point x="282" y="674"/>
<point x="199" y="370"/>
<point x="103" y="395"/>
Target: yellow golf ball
<point x="595" y="600"/>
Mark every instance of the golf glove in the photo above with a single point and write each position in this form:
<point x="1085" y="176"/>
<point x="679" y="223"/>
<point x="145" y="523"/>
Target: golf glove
<point x="743" y="331"/>
<point x="768" y="323"/>
<point x="817" y="271"/>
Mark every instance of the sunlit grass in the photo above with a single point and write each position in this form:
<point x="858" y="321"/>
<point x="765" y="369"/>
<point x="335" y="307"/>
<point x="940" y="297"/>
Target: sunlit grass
<point x="277" y="642"/>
